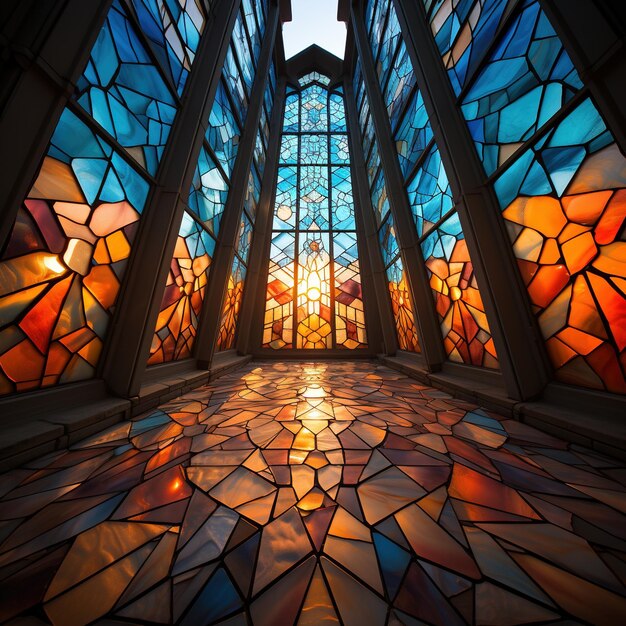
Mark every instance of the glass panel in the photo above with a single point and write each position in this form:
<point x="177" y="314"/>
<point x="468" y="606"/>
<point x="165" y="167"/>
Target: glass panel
<point x="314" y="110"/>
<point x="349" y="315"/>
<point x="314" y="319"/>
<point x="402" y="307"/>
<point x="401" y="82"/>
<point x="208" y="193"/>
<point x="339" y="150"/>
<point x="388" y="47"/>
<point x="523" y="83"/>
<point x="278" y="323"/>
<point x="251" y="201"/>
<point x="292" y="107"/>
<point x="182" y="300"/>
<point x="464" y="327"/>
<point x="342" y="202"/>
<point x="223" y="133"/>
<point x="232" y="306"/>
<point x="564" y="204"/>
<point x="285" y="206"/>
<point x="244" y="238"/>
<point x="124" y="92"/>
<point x="429" y="193"/>
<point x="313" y="149"/>
<point x="175" y="57"/>
<point x="61" y="270"/>
<point x="241" y="46"/>
<point x="388" y="242"/>
<point x="313" y="207"/>
<point x="380" y="201"/>
<point x="413" y="135"/>
<point x="337" y="113"/>
<point x="463" y="31"/>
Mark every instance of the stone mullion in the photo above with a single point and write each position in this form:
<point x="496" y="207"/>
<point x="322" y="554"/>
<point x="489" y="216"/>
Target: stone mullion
<point x="128" y="345"/>
<point x="521" y="353"/>
<point x="45" y="50"/>
<point x="250" y="333"/>
<point x="381" y="335"/>
<point x="211" y="315"/>
<point x="423" y="304"/>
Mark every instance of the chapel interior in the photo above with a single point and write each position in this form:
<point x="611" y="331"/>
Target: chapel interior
<point x="305" y="338"/>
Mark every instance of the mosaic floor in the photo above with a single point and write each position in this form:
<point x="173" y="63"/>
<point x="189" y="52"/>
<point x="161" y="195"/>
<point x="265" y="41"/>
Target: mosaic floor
<point x="313" y="494"/>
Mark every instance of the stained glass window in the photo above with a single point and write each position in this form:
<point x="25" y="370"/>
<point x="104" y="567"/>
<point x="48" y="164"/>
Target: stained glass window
<point x="62" y="267"/>
<point x="236" y="281"/>
<point x="184" y="291"/>
<point x="564" y="204"/>
<point x="559" y="183"/>
<point x="463" y="322"/>
<point x="314" y="297"/>
<point x="406" y="329"/>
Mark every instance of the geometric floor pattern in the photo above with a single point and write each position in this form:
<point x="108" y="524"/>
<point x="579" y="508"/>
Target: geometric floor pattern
<point x="314" y="494"/>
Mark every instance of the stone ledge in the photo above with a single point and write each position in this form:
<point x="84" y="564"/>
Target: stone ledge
<point x="598" y="431"/>
<point x="82" y="417"/>
<point x="19" y="438"/>
<point x="606" y="435"/>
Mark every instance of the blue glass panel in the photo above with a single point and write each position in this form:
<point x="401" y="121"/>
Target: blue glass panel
<point x="289" y="149"/>
<point x="244" y="238"/>
<point x="174" y="56"/>
<point x="189" y="19"/>
<point x="413" y="135"/>
<point x="313" y="149"/>
<point x="389" y="45"/>
<point x="240" y="43"/>
<point x="251" y="201"/>
<point x="339" y="150"/>
<point x="551" y="164"/>
<point x="388" y="242"/>
<point x="342" y="202"/>
<point x="373" y="164"/>
<point x="377" y="25"/>
<point x="525" y="81"/>
<point x="268" y="97"/>
<point x="124" y="92"/>
<point x="208" y="193"/>
<point x="264" y="127"/>
<point x="463" y="31"/>
<point x="380" y="202"/>
<point x="253" y="31"/>
<point x="223" y="132"/>
<point x="429" y="193"/>
<point x="292" y="105"/>
<point x="234" y="83"/>
<point x="285" y="204"/>
<point x="337" y="113"/>
<point x="259" y="152"/>
<point x="367" y="128"/>
<point x="314" y="209"/>
<point x="314" y="109"/>
<point x="401" y="82"/>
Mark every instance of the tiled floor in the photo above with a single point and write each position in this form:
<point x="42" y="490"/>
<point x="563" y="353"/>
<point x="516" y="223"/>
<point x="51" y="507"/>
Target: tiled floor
<point x="310" y="494"/>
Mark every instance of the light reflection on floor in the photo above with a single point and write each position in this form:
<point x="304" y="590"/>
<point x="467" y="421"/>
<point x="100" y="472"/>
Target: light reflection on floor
<point x="295" y="493"/>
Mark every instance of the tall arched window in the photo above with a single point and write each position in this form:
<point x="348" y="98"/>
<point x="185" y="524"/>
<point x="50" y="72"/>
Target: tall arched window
<point x="314" y="298"/>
